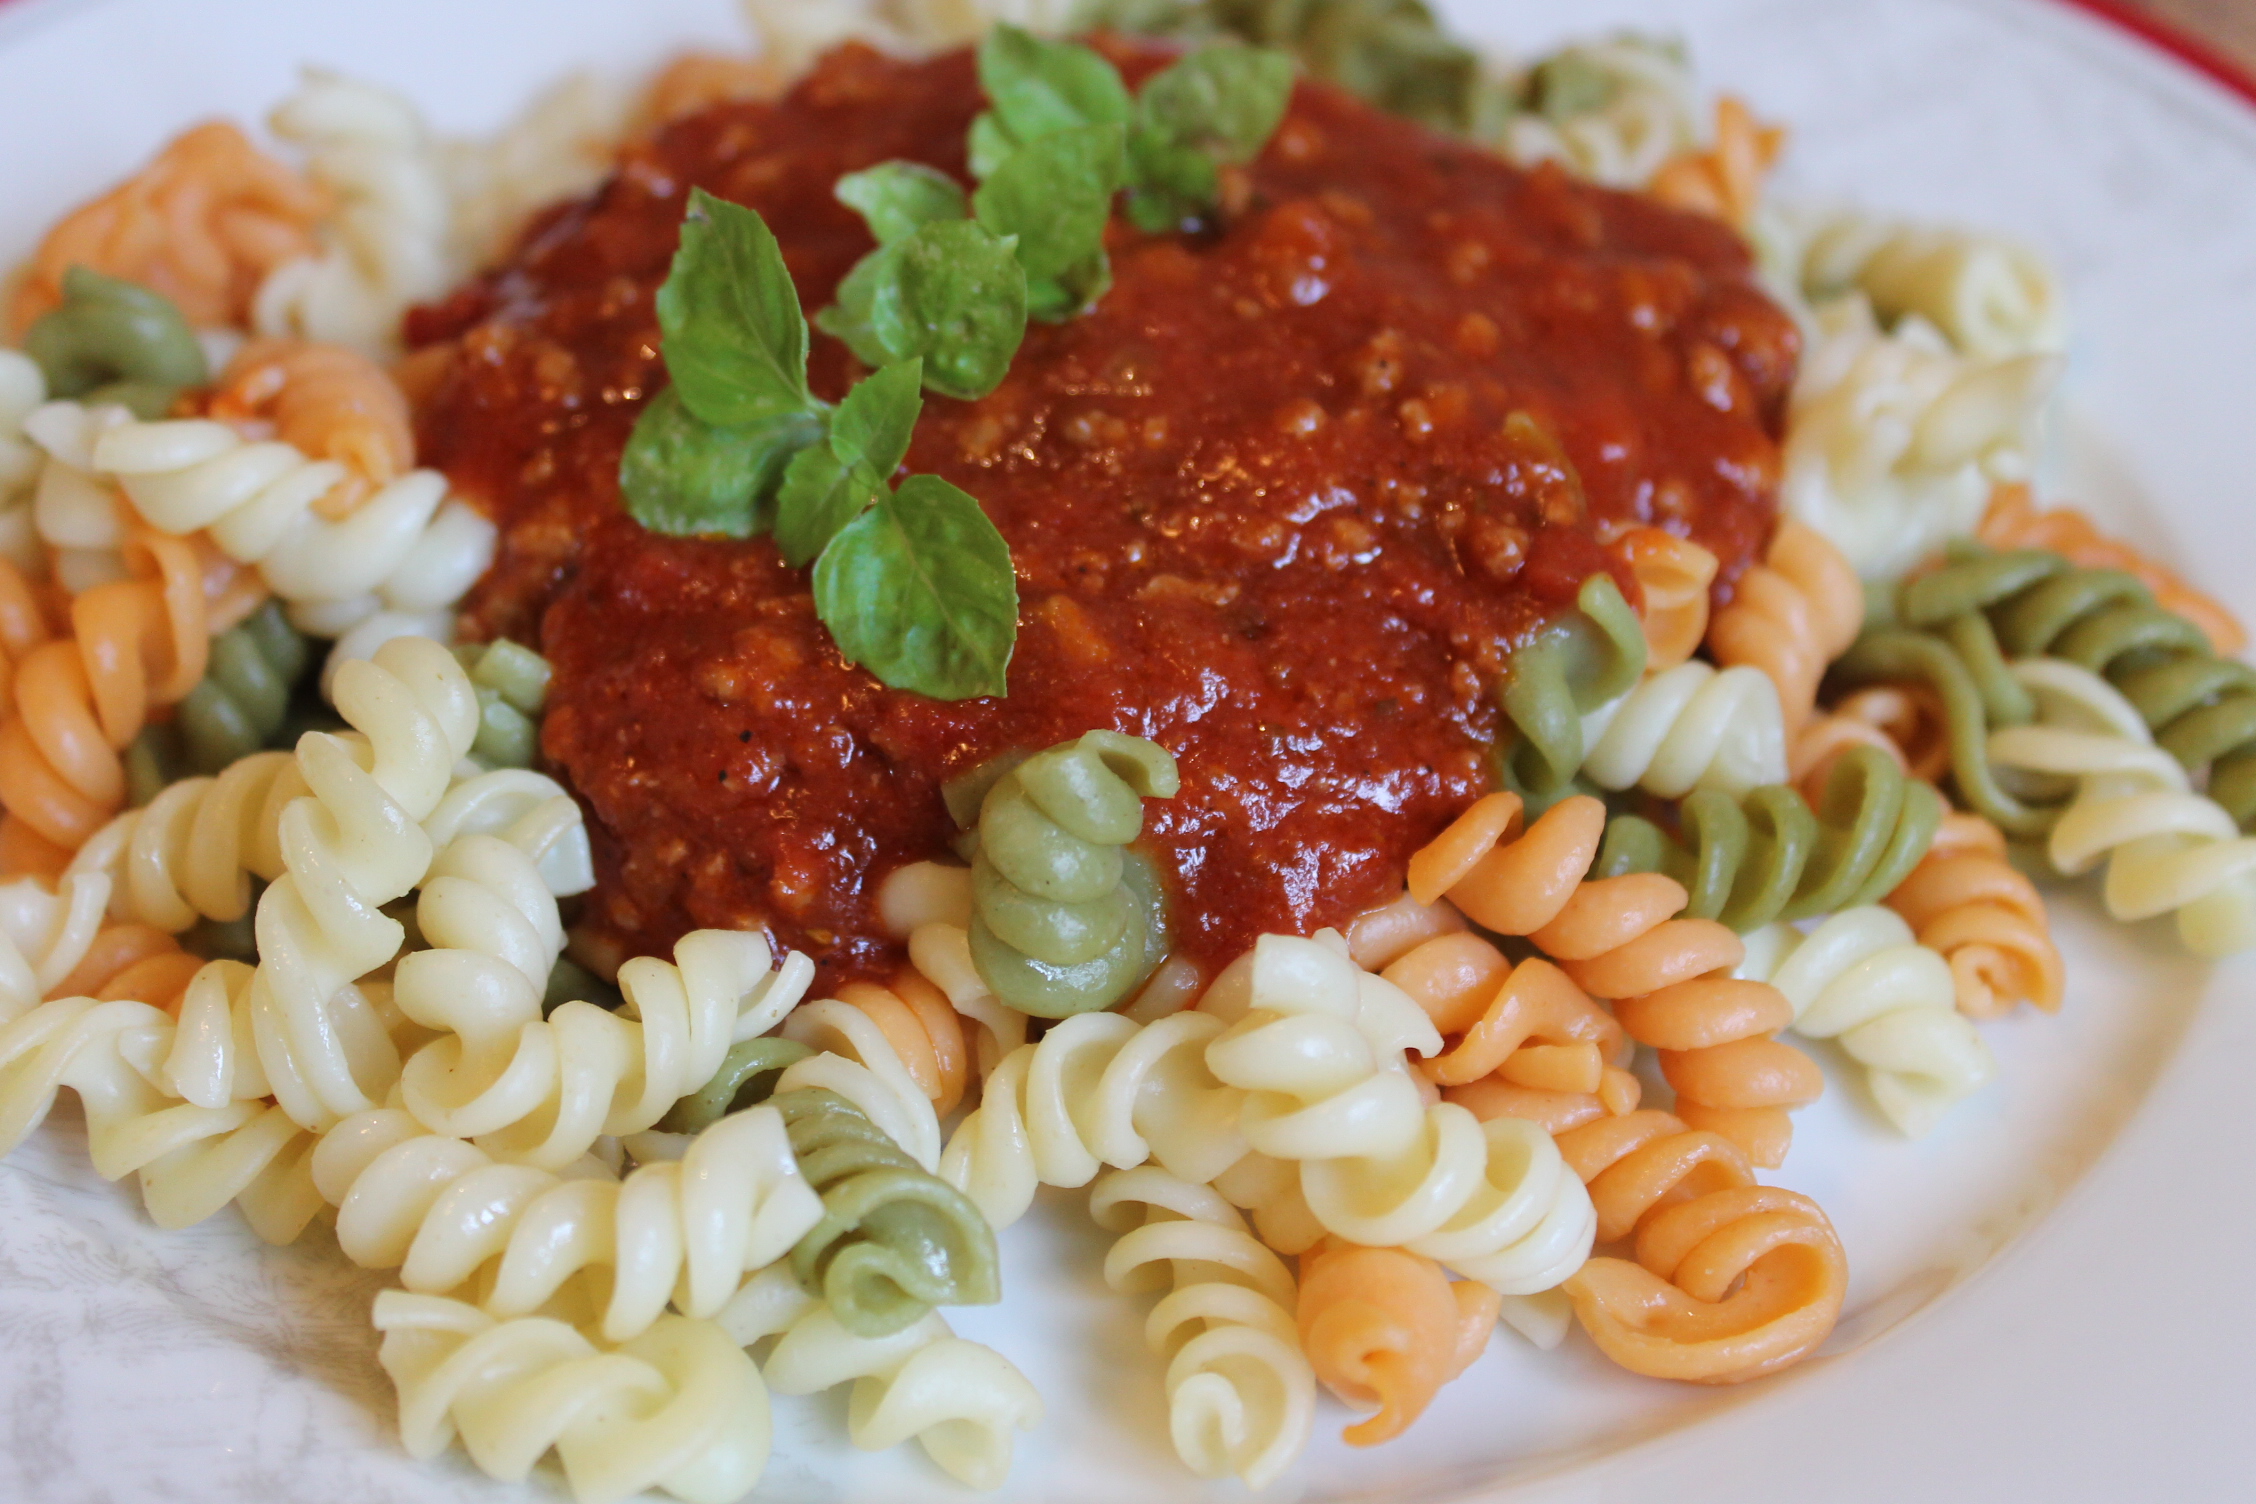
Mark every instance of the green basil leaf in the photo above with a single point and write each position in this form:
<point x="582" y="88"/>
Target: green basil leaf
<point x="1220" y="104"/>
<point x="1225" y="100"/>
<point x="1055" y="196"/>
<point x="895" y="197"/>
<point x="735" y="340"/>
<point x="952" y="293"/>
<point x="855" y="317"/>
<point x="821" y="493"/>
<point x="1038" y="87"/>
<point x="990" y="145"/>
<point x="874" y="424"/>
<point x="919" y="590"/>
<point x="682" y="475"/>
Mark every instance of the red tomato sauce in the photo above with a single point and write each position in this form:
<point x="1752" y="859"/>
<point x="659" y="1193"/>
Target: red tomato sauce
<point x="1265" y="505"/>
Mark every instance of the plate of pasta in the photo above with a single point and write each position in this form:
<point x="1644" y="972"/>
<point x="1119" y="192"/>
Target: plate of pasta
<point x="1327" y="750"/>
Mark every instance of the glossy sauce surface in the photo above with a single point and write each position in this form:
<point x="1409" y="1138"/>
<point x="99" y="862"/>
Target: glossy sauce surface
<point x="1270" y="505"/>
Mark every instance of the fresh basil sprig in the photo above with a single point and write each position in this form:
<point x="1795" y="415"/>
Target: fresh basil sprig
<point x="1061" y="136"/>
<point x="915" y="584"/>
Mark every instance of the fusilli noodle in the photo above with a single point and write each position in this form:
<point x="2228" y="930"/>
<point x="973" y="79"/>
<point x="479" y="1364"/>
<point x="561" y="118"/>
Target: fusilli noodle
<point x="1614" y="111"/>
<point x="2167" y="848"/>
<point x="1673" y="575"/>
<point x="1065" y="919"/>
<point x="201" y="224"/>
<point x="1317" y="1044"/>
<point x="1862" y="980"/>
<point x="2201" y="707"/>
<point x="354" y="844"/>
<point x="1731" y="1279"/>
<point x="406" y="548"/>
<point x="541" y="1091"/>
<point x="1386" y="1328"/>
<point x="894" y="1239"/>
<point x="1893" y="440"/>
<point x="1240" y="1396"/>
<point x="452" y="1220"/>
<point x="110" y="340"/>
<point x="77" y="703"/>
<point x="387" y="240"/>
<point x="1770" y="856"/>
<point x="1691" y="727"/>
<point x="1791" y="615"/>
<point x="1967" y="902"/>
<point x="680" y="1407"/>
<point x="1992" y="299"/>
<point x="961" y="1400"/>
<point x="2015" y="521"/>
<point x="1097" y="1090"/>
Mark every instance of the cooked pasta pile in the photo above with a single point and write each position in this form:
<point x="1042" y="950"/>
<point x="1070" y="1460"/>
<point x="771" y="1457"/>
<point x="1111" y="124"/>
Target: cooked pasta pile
<point x="287" y="900"/>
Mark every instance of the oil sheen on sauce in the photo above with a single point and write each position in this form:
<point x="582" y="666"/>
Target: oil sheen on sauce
<point x="1269" y="506"/>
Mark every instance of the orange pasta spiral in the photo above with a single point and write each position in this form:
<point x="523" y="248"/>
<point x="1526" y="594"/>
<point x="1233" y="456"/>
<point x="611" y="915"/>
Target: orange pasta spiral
<point x="1986" y="919"/>
<point x="1905" y="721"/>
<point x="1527" y="1024"/>
<point x="1726" y="180"/>
<point x="77" y="703"/>
<point x="928" y="1034"/>
<point x="1385" y="1327"/>
<point x="331" y="403"/>
<point x="2015" y="521"/>
<point x="1793" y="614"/>
<point x="1716" y="1034"/>
<point x="203" y="224"/>
<point x="132" y="961"/>
<point x="1507" y="880"/>
<point x="1731" y="1279"/>
<point x="1673" y="574"/>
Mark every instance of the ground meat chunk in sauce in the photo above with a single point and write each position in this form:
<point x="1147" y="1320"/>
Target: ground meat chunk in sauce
<point x="1269" y="506"/>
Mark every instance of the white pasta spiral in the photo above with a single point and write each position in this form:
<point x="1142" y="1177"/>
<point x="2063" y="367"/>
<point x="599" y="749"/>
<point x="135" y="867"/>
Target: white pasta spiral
<point x="1894" y="440"/>
<point x="44" y="934"/>
<point x="406" y="548"/>
<point x="191" y="852"/>
<point x="1097" y="1090"/>
<point x="541" y="1091"/>
<point x="680" y="1407"/>
<point x="1649" y="113"/>
<point x="192" y="1160"/>
<point x="452" y="1220"/>
<point x="1690" y="727"/>
<point x="1992" y="298"/>
<point x="1493" y="1201"/>
<point x="355" y="844"/>
<point x="1240" y="1393"/>
<point x="2167" y="848"/>
<point x="961" y="1400"/>
<point x="1317" y="1043"/>
<point x="388" y="241"/>
<point x="1862" y="980"/>
<point x="75" y="512"/>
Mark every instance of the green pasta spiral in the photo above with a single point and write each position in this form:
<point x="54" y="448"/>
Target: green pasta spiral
<point x="1065" y="918"/>
<point x="894" y="1240"/>
<point x="746" y="1077"/>
<point x="116" y="341"/>
<point x="512" y="685"/>
<point x="1577" y="662"/>
<point x="2201" y="707"/>
<point x="241" y="706"/>
<point x="1393" y="53"/>
<point x="1769" y="856"/>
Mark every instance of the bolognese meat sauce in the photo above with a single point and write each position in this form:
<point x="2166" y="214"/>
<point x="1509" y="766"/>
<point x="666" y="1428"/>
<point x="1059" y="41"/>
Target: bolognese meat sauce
<point x="1282" y="502"/>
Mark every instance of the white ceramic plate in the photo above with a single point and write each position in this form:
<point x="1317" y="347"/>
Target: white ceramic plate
<point x="2109" y="1355"/>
